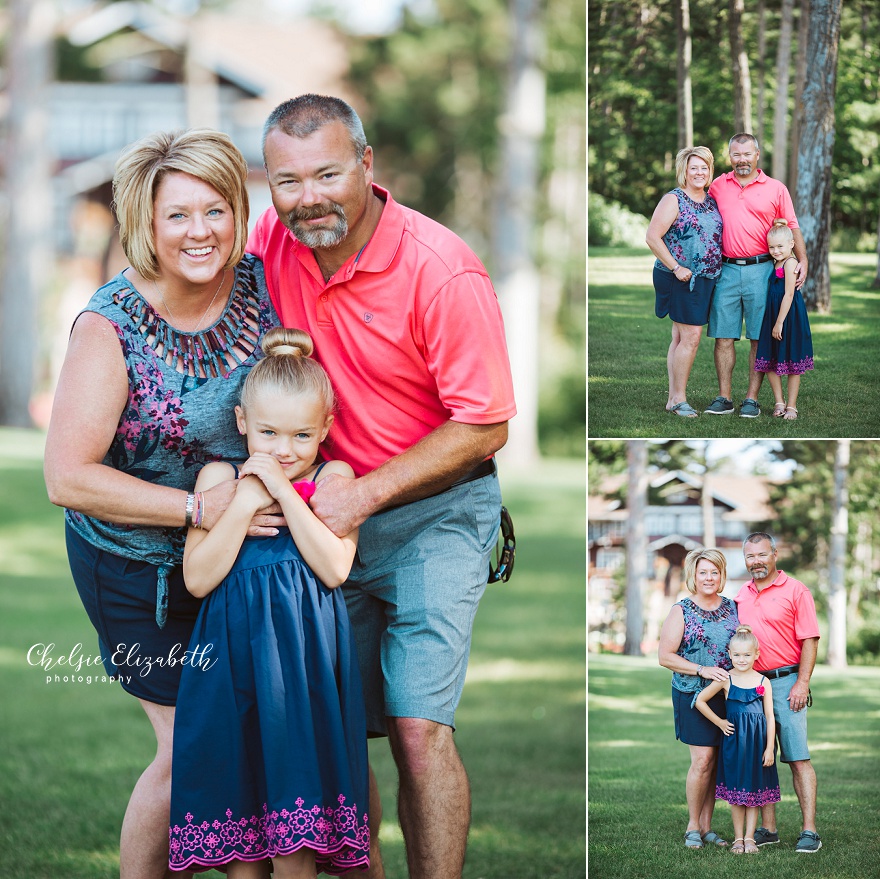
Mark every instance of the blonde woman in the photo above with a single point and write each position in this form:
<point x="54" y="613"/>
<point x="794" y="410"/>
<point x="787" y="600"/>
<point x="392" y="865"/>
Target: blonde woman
<point x="153" y="371"/>
<point x="693" y="645"/>
<point x="685" y="236"/>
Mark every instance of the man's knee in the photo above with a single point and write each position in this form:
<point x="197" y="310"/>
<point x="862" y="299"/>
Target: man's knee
<point x="802" y="768"/>
<point x="416" y="743"/>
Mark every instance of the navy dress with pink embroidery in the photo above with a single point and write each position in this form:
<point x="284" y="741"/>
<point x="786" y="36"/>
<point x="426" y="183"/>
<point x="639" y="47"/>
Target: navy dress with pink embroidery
<point x="742" y="778"/>
<point x="270" y="740"/>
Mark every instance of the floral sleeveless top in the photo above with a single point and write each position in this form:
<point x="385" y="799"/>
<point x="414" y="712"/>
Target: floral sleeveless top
<point x="182" y="392"/>
<point x="706" y="636"/>
<point x="694" y="239"/>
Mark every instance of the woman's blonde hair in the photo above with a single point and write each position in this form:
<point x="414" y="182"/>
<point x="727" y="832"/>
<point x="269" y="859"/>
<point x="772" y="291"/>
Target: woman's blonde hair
<point x="713" y="556"/>
<point x="780" y="229"/>
<point x="744" y="635"/>
<point x="683" y="157"/>
<point x="289" y="369"/>
<point x="202" y="152"/>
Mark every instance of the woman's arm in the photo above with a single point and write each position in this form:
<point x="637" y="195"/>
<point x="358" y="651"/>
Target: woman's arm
<point x="91" y="396"/>
<point x="665" y="214"/>
<point x="209" y="555"/>
<point x="670" y="640"/>
<point x="785" y="305"/>
<point x="771" y="723"/>
<point x="329" y="556"/>
<point x="702" y="705"/>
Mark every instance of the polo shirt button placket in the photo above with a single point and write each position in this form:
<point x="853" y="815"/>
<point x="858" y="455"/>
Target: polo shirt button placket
<point x="323" y="309"/>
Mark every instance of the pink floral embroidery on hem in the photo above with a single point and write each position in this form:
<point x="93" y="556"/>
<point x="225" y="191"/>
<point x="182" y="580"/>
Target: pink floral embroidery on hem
<point x="747" y="798"/>
<point x="339" y="836"/>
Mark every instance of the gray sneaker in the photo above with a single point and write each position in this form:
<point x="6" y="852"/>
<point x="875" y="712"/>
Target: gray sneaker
<point x="749" y="408"/>
<point x="808" y="842"/>
<point x="763" y="836"/>
<point x="719" y="406"/>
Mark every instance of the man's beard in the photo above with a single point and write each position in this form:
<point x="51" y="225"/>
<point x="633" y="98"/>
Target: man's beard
<point x="743" y="169"/>
<point x="319" y="238"/>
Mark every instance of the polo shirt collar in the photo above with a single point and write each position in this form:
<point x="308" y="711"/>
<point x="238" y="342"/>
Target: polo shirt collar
<point x="379" y="251"/>
<point x="761" y="178"/>
<point x="780" y="579"/>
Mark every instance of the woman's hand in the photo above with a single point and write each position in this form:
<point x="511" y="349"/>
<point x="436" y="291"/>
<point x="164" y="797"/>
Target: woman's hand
<point x="682" y="273"/>
<point x="777" y="332"/>
<point x="713" y="673"/>
<point x="270" y="473"/>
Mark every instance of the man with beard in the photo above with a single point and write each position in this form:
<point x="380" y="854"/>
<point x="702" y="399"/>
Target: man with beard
<point x="749" y="202"/>
<point x="407" y="324"/>
<point x="782" y="615"/>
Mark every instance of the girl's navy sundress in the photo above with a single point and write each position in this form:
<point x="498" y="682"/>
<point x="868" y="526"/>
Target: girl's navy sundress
<point x="793" y="353"/>
<point x="270" y="741"/>
<point x="742" y="780"/>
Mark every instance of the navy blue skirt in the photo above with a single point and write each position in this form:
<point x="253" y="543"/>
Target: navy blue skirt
<point x="690" y="726"/>
<point x="683" y="305"/>
<point x="119" y="595"/>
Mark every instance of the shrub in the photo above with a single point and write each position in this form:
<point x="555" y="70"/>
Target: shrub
<point x="610" y="224"/>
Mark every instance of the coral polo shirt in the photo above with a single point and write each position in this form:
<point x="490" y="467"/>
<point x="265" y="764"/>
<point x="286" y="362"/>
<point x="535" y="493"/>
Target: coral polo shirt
<point x="748" y="212"/>
<point x="409" y="331"/>
<point x="781" y="615"/>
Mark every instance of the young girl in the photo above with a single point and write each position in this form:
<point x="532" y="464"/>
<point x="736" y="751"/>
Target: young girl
<point x="270" y="756"/>
<point x="785" y="346"/>
<point x="747" y="776"/>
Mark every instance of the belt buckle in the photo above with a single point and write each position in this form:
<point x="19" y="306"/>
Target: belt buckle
<point x="742" y="262"/>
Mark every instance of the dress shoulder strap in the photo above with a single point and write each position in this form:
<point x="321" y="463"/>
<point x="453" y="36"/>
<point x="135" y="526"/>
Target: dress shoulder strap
<point x="321" y="466"/>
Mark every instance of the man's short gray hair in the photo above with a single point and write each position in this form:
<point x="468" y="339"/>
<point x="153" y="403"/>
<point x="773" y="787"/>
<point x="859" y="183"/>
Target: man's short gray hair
<point x="302" y="116"/>
<point x="757" y="537"/>
<point x="742" y="137"/>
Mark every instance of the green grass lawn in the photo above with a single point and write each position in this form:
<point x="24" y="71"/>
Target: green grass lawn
<point x="626" y="360"/>
<point x="71" y="753"/>
<point x="637" y="808"/>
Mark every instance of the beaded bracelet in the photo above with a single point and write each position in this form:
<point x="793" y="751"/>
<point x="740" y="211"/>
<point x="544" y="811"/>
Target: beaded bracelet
<point x="200" y="510"/>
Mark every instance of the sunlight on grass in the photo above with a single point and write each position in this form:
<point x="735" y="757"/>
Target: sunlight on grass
<point x="622" y="743"/>
<point x="640" y="705"/>
<point x="514" y="670"/>
<point x="21" y="445"/>
<point x="12" y="658"/>
<point x="23" y="553"/>
<point x="390" y="832"/>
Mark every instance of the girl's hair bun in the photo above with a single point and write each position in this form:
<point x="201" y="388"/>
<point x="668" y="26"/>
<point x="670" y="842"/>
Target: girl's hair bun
<point x="283" y="341"/>
<point x="747" y="630"/>
<point x="780" y="222"/>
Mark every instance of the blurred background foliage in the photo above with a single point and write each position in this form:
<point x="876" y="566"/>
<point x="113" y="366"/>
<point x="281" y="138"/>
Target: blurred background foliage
<point x="632" y="103"/>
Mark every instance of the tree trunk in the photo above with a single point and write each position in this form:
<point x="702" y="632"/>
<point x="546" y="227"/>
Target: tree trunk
<point x="780" y="113"/>
<point x="799" y="79"/>
<point x="707" y="507"/>
<point x="762" y="70"/>
<point x="636" y="544"/>
<point x="516" y="276"/>
<point x="837" y="559"/>
<point x="876" y="282"/>
<point x="685" y="95"/>
<point x="816" y="150"/>
<point x="28" y="227"/>
<point x="742" y="85"/>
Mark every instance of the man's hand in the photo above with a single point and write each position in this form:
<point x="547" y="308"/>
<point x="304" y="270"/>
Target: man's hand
<point x="339" y="503"/>
<point x="797" y="698"/>
<point x="800" y="274"/>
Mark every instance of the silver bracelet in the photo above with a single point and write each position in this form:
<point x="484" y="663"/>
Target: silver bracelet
<point x="190" y="504"/>
<point x="700" y="669"/>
